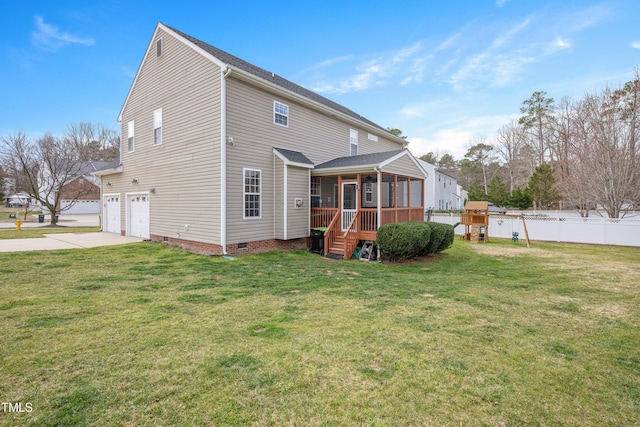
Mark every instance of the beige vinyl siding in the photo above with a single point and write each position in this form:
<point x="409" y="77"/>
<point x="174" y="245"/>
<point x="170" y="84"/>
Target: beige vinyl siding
<point x="185" y="168"/>
<point x="404" y="166"/>
<point x="298" y="187"/>
<point x="250" y="124"/>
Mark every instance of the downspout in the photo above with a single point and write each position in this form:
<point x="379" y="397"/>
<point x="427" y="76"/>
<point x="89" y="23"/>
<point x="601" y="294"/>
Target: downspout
<point x="223" y="160"/>
<point x="379" y="204"/>
<point x="286" y="195"/>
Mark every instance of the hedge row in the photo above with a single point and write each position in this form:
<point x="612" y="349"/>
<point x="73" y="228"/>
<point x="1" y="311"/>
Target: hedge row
<point x="408" y="240"/>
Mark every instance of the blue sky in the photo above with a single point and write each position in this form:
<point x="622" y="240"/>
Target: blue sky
<point x="446" y="73"/>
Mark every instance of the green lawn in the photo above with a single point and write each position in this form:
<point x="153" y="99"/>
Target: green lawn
<point x="483" y="334"/>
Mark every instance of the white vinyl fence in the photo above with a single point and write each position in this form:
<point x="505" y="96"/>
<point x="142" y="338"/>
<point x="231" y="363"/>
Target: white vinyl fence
<point x="599" y="231"/>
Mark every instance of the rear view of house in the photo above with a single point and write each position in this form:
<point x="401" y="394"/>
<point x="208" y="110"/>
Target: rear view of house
<point x="221" y="156"/>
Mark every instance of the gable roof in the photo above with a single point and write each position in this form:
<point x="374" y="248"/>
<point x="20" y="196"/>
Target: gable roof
<point x="373" y="159"/>
<point x="367" y="161"/>
<point x="231" y="62"/>
<point x="294" y="158"/>
<point x="241" y="64"/>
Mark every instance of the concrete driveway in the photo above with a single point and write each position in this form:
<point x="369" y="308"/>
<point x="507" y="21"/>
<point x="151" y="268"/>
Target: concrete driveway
<point x="65" y="241"/>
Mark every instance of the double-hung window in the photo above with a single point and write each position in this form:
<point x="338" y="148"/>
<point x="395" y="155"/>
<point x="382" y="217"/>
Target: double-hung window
<point x="316" y="200"/>
<point x="353" y="141"/>
<point x="157" y="126"/>
<point x="252" y="191"/>
<point x="131" y="144"/>
<point x="280" y="114"/>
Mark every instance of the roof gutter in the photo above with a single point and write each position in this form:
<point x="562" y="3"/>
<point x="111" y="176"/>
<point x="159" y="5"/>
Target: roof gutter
<point x="117" y="169"/>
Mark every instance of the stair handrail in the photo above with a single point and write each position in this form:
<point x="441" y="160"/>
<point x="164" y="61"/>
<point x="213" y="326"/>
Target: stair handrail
<point x="329" y="235"/>
<point x="351" y="236"/>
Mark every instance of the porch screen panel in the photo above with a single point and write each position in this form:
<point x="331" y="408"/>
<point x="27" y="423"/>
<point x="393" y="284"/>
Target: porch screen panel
<point x="416" y="192"/>
<point x="403" y="192"/>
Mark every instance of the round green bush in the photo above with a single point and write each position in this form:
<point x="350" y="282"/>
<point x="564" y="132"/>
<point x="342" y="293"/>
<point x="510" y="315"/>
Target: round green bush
<point x="437" y="236"/>
<point x="450" y="235"/>
<point x="403" y="240"/>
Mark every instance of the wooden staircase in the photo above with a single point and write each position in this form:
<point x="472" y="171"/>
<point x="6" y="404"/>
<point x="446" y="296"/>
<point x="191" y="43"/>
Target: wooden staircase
<point x="337" y="246"/>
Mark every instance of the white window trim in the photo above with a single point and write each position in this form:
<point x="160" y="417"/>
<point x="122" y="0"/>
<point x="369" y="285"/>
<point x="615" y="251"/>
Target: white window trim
<point x="353" y="141"/>
<point x="244" y="193"/>
<point x="131" y="135"/>
<point x="157" y="124"/>
<point x="275" y="113"/>
<point x="317" y="191"/>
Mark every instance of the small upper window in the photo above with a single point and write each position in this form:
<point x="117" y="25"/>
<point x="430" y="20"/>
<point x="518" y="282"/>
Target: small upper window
<point x="159" y="48"/>
<point x="280" y="114"/>
<point x="130" y="135"/>
<point x="157" y="126"/>
<point x="353" y="140"/>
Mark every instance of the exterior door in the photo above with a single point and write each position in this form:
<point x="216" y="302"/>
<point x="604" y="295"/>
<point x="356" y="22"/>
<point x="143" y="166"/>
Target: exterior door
<point x="111" y="214"/>
<point x="139" y="216"/>
<point x="349" y="203"/>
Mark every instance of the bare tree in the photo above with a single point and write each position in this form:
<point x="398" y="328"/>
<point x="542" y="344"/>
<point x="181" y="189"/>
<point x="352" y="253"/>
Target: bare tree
<point x="44" y="166"/>
<point x="510" y="140"/>
<point x="607" y="156"/>
<point x="94" y="141"/>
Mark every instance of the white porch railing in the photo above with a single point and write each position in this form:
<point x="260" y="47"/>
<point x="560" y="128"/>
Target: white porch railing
<point x="598" y="231"/>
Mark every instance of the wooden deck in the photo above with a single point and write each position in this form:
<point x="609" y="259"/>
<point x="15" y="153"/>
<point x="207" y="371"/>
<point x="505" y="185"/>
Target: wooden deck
<point x="363" y="226"/>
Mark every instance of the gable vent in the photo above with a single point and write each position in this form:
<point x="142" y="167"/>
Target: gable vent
<point x="159" y="48"/>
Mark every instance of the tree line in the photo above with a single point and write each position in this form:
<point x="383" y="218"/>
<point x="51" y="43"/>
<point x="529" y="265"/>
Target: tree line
<point x="581" y="155"/>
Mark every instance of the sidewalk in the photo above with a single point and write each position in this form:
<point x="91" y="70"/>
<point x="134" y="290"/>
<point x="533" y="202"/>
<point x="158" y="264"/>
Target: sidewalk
<point x="85" y="220"/>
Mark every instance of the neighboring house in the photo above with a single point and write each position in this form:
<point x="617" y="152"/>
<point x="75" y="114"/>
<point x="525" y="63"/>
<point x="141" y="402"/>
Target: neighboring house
<point x="18" y="200"/>
<point x="442" y="192"/>
<point x="220" y="156"/>
<point x="463" y="196"/>
<point x="81" y="195"/>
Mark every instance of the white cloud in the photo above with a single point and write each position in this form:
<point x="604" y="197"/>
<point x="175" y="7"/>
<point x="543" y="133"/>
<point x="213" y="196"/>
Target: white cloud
<point x="635" y="44"/>
<point x="482" y="66"/>
<point x="332" y="61"/>
<point x="501" y="3"/>
<point x="560" y="43"/>
<point x="49" y="37"/>
<point x="127" y="71"/>
<point x="407" y="65"/>
<point x="456" y="136"/>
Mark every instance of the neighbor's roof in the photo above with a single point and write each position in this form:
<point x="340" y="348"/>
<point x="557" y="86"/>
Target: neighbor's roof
<point x="274" y="79"/>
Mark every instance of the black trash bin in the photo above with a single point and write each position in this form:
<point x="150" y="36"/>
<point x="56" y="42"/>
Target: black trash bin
<point x="317" y="241"/>
<point x="41" y="218"/>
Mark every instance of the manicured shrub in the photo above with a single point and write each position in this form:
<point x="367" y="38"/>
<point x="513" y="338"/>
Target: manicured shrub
<point x="437" y="236"/>
<point x="448" y="238"/>
<point x="441" y="237"/>
<point x="404" y="240"/>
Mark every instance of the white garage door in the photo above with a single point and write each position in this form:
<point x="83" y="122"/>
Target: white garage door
<point x="139" y="216"/>
<point x="112" y="214"/>
<point x="81" y="207"/>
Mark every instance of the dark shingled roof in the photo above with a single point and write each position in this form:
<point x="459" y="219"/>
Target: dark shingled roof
<point x="360" y="160"/>
<point x="294" y="156"/>
<point x="93" y="166"/>
<point x="273" y="78"/>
